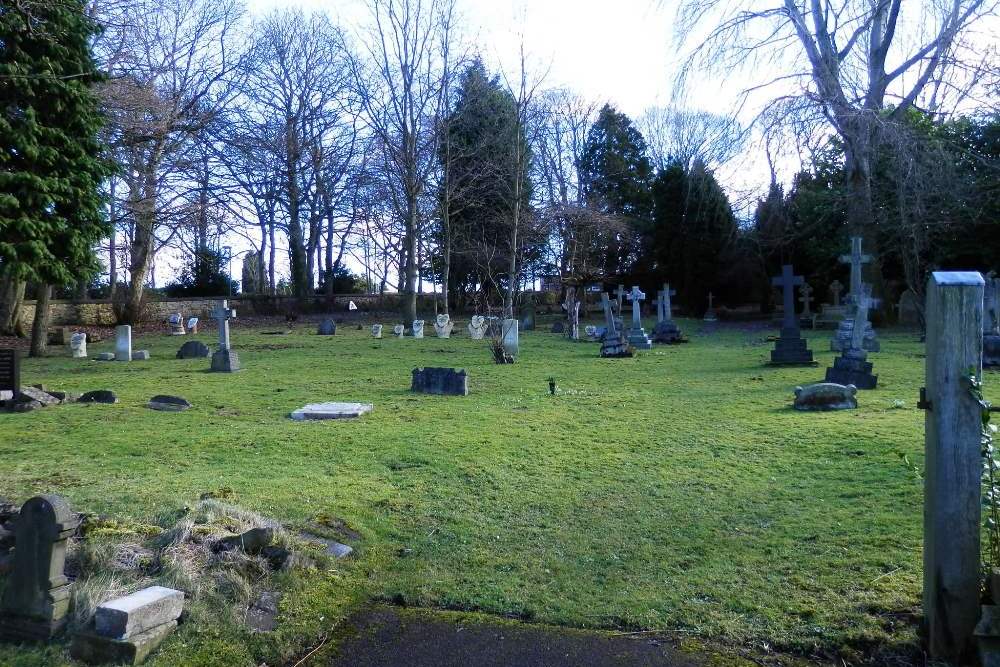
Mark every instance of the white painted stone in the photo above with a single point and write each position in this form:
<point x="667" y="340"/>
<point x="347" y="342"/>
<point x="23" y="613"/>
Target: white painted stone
<point x="418" y="328"/>
<point x="123" y="343"/>
<point x="477" y="327"/>
<point x="331" y="411"/>
<point x="139" y="612"/>
<point x="78" y="345"/>
<point x="376" y="331"/>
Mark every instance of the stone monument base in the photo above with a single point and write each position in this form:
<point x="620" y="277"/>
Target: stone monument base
<point x="826" y="396"/>
<point x="614" y="346"/>
<point x="852" y="368"/>
<point x="991" y="351"/>
<point x="225" y="361"/>
<point x="15" y="628"/>
<point x="638" y="339"/>
<point x="667" y="332"/>
<point x="841" y="340"/>
<point x="791" y="350"/>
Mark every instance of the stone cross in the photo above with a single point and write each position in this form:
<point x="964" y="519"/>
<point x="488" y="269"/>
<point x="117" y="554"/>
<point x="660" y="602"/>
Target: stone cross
<point x="620" y="292"/>
<point x="864" y="302"/>
<point x="636" y="296"/>
<point x="223" y="314"/>
<point x="664" y="307"/>
<point x="856" y="259"/>
<point x="806" y="299"/>
<point x="711" y="298"/>
<point x="835" y="289"/>
<point x="36" y="600"/>
<point x="609" y="314"/>
<point x="953" y="464"/>
<point x="787" y="282"/>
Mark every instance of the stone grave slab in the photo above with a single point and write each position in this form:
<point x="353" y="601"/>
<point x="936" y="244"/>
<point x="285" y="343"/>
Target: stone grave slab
<point x="194" y="349"/>
<point x="331" y="410"/>
<point x="441" y="381"/>
<point x="164" y="403"/>
<point x="139" y="612"/>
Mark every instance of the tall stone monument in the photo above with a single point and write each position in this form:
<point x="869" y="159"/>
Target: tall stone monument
<point x="844" y="334"/>
<point x="35" y="601"/>
<point x="790" y="349"/>
<point x="637" y="337"/>
<point x="224" y="360"/>
<point x="852" y="366"/>
<point x="991" y="322"/>
<point x="710" y="314"/>
<point x="613" y="345"/>
<point x="666" y="330"/>
<point x="123" y="343"/>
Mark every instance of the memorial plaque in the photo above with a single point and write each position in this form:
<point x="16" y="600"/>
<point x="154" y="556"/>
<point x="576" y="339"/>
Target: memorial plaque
<point x="10" y="370"/>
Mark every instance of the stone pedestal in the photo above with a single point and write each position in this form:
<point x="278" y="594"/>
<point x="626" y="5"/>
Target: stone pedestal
<point x="852" y="368"/>
<point x="667" y="332"/>
<point x="615" y="346"/>
<point x="845" y="331"/>
<point x="638" y="339"/>
<point x="792" y="349"/>
<point x="991" y="351"/>
<point x="225" y="361"/>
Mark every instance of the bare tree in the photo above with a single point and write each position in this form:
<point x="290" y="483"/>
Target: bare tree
<point x="674" y="134"/>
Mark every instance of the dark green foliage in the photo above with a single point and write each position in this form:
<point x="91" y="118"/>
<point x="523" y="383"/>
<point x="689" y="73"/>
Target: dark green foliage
<point x="344" y="282"/>
<point x="51" y="164"/>
<point x="616" y="176"/>
<point x="205" y="275"/>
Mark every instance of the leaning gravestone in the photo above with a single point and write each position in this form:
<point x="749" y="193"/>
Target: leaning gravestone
<point x="843" y="338"/>
<point x="194" y="349"/>
<point x="35" y="601"/>
<point x="443" y="326"/>
<point x="444" y="381"/>
<point x="666" y="330"/>
<point x="613" y="345"/>
<point x="376" y="331"/>
<point x="852" y="366"/>
<point x="790" y="349"/>
<point x="10" y="373"/>
<point x="224" y="360"/>
<point x="418" y="328"/>
<point x="78" y="345"/>
<point x="826" y="396"/>
<point x="327" y="327"/>
<point x="477" y="327"/>
<point x="128" y="629"/>
<point x="637" y="337"/>
<point x="123" y="343"/>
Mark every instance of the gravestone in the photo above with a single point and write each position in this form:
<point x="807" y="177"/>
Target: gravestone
<point x="418" y="328"/>
<point x="376" y="331"/>
<point x="105" y="356"/>
<point x="832" y="313"/>
<point x="710" y="314"/>
<point x="790" y="349"/>
<point x="128" y="629"/>
<point x="327" y="327"/>
<point x="835" y="289"/>
<point x="991" y="322"/>
<point x="224" y="360"/>
<point x="321" y="411"/>
<point x="165" y="403"/>
<point x="592" y="333"/>
<point x="907" y="312"/>
<point x="619" y="305"/>
<point x="78" y="345"/>
<point x="123" y="343"/>
<point x="826" y="396"/>
<point x="558" y="327"/>
<point x="140" y="355"/>
<point x="844" y="335"/>
<point x="399" y="330"/>
<point x="806" y="299"/>
<point x="527" y="315"/>
<point x="176" y="322"/>
<point x="193" y="325"/>
<point x="477" y="327"/>
<point x="36" y="599"/>
<point x="194" y="349"/>
<point x="666" y="330"/>
<point x="10" y="373"/>
<point x="953" y="464"/>
<point x="637" y="337"/>
<point x="443" y="381"/>
<point x="613" y="344"/>
<point x="852" y="366"/>
<point x="572" y="307"/>
<point x="443" y="326"/>
<point x="510" y="338"/>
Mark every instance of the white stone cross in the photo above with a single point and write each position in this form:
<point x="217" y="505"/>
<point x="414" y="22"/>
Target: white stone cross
<point x="856" y="259"/>
<point x="664" y="308"/>
<point x="636" y="296"/>
<point x="222" y="313"/>
<point x="711" y="298"/>
<point x="608" y="313"/>
<point x="864" y="302"/>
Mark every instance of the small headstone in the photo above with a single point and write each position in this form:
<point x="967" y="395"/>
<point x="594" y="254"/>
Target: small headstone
<point x="558" y="328"/>
<point x="477" y="327"/>
<point x="78" y="345"/>
<point x="123" y="343"/>
<point x="252" y="542"/>
<point x="194" y="349"/>
<point x="826" y="396"/>
<point x="262" y="616"/>
<point x="806" y="299"/>
<point x="510" y="339"/>
<point x="105" y="356"/>
<point x="99" y="396"/>
<point x="176" y="322"/>
<point x="418" y="328"/>
<point x="35" y="600"/>
<point x="331" y="411"/>
<point x="527" y="316"/>
<point x="327" y="327"/>
<point x="376" y="331"/>
<point x="29" y="394"/>
<point x="443" y="326"/>
<point x="444" y="381"/>
<point x="592" y="333"/>
<point x="165" y="403"/>
<point x="140" y="355"/>
<point x="399" y="330"/>
<point x="10" y="370"/>
<point x="193" y="324"/>
<point x="96" y="649"/>
<point x="790" y="348"/>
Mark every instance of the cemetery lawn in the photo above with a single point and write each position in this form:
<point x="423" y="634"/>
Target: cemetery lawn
<point x="675" y="491"/>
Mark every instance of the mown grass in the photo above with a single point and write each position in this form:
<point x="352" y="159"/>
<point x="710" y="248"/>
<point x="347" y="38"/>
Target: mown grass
<point x="676" y="490"/>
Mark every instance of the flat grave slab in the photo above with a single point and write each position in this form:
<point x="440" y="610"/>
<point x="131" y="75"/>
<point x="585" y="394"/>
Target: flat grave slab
<point x="332" y="410"/>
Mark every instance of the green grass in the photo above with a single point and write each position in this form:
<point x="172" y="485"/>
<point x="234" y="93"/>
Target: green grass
<point x="676" y="490"/>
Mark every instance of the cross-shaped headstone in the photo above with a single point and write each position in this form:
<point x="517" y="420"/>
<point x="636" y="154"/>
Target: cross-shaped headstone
<point x="223" y="314"/>
<point x="787" y="282"/>
<point x="664" y="307"/>
<point x="609" y="315"/>
<point x="806" y="298"/>
<point x="856" y="259"/>
<point x="620" y="292"/>
<point x="864" y="302"/>
<point x="835" y="289"/>
<point x="636" y="296"/>
<point x="711" y="298"/>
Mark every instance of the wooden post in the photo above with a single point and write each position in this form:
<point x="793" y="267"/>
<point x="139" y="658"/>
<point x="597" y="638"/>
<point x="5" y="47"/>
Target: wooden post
<point x="953" y="463"/>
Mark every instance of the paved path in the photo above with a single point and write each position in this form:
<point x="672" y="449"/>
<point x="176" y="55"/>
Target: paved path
<point x="386" y="636"/>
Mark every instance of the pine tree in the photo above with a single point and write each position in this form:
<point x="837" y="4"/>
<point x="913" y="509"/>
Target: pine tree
<point x="51" y="165"/>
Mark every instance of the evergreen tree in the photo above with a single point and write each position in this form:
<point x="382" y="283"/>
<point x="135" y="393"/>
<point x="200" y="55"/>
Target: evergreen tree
<point x="616" y="176"/>
<point x="51" y="165"/>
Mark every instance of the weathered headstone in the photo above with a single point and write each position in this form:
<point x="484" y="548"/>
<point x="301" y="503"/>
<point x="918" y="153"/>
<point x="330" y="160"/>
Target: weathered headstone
<point x="991" y="322"/>
<point x="35" y="601"/>
<point x="666" y="330"/>
<point x="10" y="372"/>
<point x="165" y="403"/>
<point x="852" y="366"/>
<point x="193" y="324"/>
<point x="710" y="314"/>
<point x="443" y="326"/>
<point x="790" y="348"/>
<point x="591" y="332"/>
<point x="558" y="328"/>
<point x="845" y="330"/>
<point x="527" y="315"/>
<point x="953" y="465"/>
<point x="194" y="349"/>
<point x="140" y="355"/>
<point x="376" y="331"/>
<point x="835" y="289"/>
<point x="399" y="330"/>
<point x="445" y="381"/>
<point x="123" y="343"/>
<point x="806" y="299"/>
<point x="418" y="328"/>
<point x="510" y="336"/>
<point x="105" y="356"/>
<point x="176" y="322"/>
<point x="637" y="337"/>
<point x="78" y="345"/>
<point x="613" y="345"/>
<point x="826" y="396"/>
<point x="907" y="312"/>
<point x="477" y="327"/>
<point x="224" y="360"/>
<point x="327" y="327"/>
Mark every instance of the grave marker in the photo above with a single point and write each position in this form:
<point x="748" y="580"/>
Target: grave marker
<point x="224" y="360"/>
<point x="841" y="339"/>
<point x="10" y="371"/>
<point x="123" y="343"/>
<point x="637" y="337"/>
<point x="613" y="345"/>
<point x="790" y="348"/>
<point x="710" y="315"/>
<point x="851" y="366"/>
<point x="666" y="331"/>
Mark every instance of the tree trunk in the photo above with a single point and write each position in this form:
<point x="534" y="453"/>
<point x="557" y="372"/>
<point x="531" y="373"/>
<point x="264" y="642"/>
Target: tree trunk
<point x="410" y="286"/>
<point x="11" y="299"/>
<point x="40" y="326"/>
<point x="301" y="281"/>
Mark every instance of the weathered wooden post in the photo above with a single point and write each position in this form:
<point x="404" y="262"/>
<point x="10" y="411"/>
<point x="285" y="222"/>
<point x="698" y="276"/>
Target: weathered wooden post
<point x="953" y="463"/>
